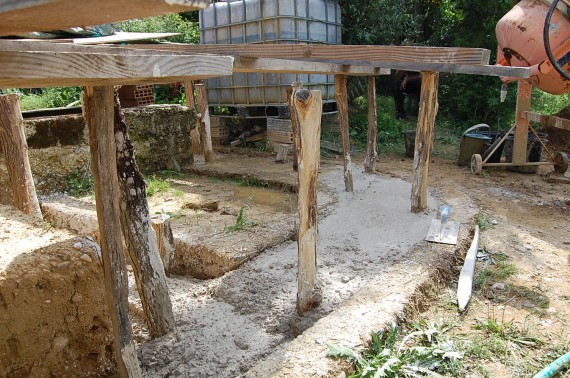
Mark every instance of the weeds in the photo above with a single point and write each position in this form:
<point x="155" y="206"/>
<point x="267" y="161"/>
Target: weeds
<point x="79" y="182"/>
<point x="499" y="269"/>
<point x="241" y="223"/>
<point x="425" y="350"/>
<point x="483" y="221"/>
<point x="156" y="185"/>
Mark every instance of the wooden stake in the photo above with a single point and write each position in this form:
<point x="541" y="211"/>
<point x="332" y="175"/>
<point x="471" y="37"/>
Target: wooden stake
<point x="424" y="139"/>
<point x="205" y="131"/>
<point x="369" y="163"/>
<point x="308" y="111"/>
<point x="165" y="239"/>
<point x="520" y="142"/>
<point x="98" y="112"/>
<point x="342" y="106"/>
<point x="294" y="123"/>
<point x="282" y="152"/>
<point x="15" y="148"/>
<point x="140" y="239"/>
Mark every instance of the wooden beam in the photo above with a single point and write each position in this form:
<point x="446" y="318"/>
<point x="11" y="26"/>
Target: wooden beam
<point x="308" y="111"/>
<point x="140" y="239"/>
<point x="24" y="16"/>
<point x="99" y="114"/>
<point x="424" y="139"/>
<point x="341" y="97"/>
<point x="272" y="65"/>
<point x="204" y="116"/>
<point x="456" y="55"/>
<point x="369" y="162"/>
<point x="165" y="240"/>
<point x="44" y="69"/>
<point x="549" y="120"/>
<point x="520" y="142"/>
<point x="15" y="148"/>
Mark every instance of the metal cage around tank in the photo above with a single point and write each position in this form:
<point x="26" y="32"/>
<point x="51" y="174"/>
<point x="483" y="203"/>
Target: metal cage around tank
<point x="268" y="22"/>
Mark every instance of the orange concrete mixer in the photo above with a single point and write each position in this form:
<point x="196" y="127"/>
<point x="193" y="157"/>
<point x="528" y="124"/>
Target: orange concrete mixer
<point x="536" y="34"/>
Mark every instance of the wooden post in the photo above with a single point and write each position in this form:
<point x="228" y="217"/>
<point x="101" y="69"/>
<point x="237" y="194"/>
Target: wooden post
<point x="98" y="112"/>
<point x="140" y="238"/>
<point x="189" y="91"/>
<point x="371" y="155"/>
<point x="15" y="148"/>
<point x="424" y="139"/>
<point x="282" y="152"/>
<point x="294" y="124"/>
<point x="205" y="131"/>
<point x="342" y="106"/>
<point x="197" y="155"/>
<point x="308" y="110"/>
<point x="165" y="239"/>
<point x="520" y="142"/>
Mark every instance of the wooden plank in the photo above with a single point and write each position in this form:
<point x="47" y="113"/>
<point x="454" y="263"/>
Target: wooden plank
<point x="44" y="69"/>
<point x="15" y="148"/>
<point x="520" y="142"/>
<point x="99" y="114"/>
<point x="308" y="110"/>
<point x="456" y="55"/>
<point x="139" y="236"/>
<point x="348" y="65"/>
<point x="24" y="16"/>
<point x="272" y="65"/>
<point x="369" y="162"/>
<point x="122" y="37"/>
<point x="204" y="116"/>
<point x="341" y="97"/>
<point x="465" y="283"/>
<point x="548" y="120"/>
<point x="424" y="139"/>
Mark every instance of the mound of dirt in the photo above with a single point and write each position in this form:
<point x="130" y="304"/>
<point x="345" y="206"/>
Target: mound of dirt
<point x="53" y="313"/>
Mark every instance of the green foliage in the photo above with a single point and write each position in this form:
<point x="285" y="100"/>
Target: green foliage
<point x="425" y="350"/>
<point x="241" y="223"/>
<point x="170" y="23"/>
<point x="483" y="221"/>
<point x="47" y="97"/>
<point x="156" y="185"/>
<point x="79" y="182"/>
<point x="546" y="103"/>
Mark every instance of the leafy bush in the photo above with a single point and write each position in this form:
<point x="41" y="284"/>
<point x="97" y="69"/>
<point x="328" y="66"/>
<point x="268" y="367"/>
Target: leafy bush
<point x="170" y="23"/>
<point x="54" y="97"/>
<point x="79" y="182"/>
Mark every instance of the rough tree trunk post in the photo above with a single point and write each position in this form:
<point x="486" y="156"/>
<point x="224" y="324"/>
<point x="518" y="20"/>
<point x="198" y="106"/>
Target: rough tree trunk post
<point x="424" y="139"/>
<point x="294" y="123"/>
<point x="524" y="91"/>
<point x="139" y="236"/>
<point x="342" y="106"/>
<point x="205" y="131"/>
<point x="308" y="110"/>
<point x="369" y="163"/>
<point x="197" y="155"/>
<point x="99" y="112"/>
<point x="15" y="148"/>
<point x="165" y="239"/>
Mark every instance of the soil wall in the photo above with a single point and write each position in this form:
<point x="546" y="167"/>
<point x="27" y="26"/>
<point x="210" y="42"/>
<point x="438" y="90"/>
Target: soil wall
<point x="59" y="145"/>
<point x="53" y="313"/>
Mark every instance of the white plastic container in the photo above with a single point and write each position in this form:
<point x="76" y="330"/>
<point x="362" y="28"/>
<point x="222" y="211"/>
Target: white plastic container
<point x="268" y="21"/>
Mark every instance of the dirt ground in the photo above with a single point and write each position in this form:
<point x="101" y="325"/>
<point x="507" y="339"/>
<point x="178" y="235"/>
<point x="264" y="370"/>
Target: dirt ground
<point x="371" y="262"/>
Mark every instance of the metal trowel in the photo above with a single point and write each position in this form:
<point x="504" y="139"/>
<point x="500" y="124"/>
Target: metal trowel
<point x="443" y="230"/>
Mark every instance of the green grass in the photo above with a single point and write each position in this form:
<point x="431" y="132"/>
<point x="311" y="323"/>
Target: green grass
<point x="156" y="185"/>
<point x="483" y="221"/>
<point x="498" y="270"/>
<point x="47" y="97"/>
<point x="240" y="224"/>
<point x="79" y="182"/>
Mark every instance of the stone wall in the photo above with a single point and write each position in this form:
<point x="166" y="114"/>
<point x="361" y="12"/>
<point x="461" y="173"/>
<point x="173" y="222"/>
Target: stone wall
<point x="59" y="146"/>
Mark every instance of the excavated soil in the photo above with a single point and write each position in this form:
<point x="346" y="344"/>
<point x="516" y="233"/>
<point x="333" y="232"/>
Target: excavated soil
<point x="373" y="268"/>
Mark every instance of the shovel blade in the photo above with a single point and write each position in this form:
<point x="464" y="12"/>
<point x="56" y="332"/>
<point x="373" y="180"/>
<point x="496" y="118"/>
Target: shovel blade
<point x="443" y="233"/>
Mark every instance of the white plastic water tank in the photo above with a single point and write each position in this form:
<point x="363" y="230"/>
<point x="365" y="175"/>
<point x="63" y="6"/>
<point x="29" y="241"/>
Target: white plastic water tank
<point x="268" y="21"/>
